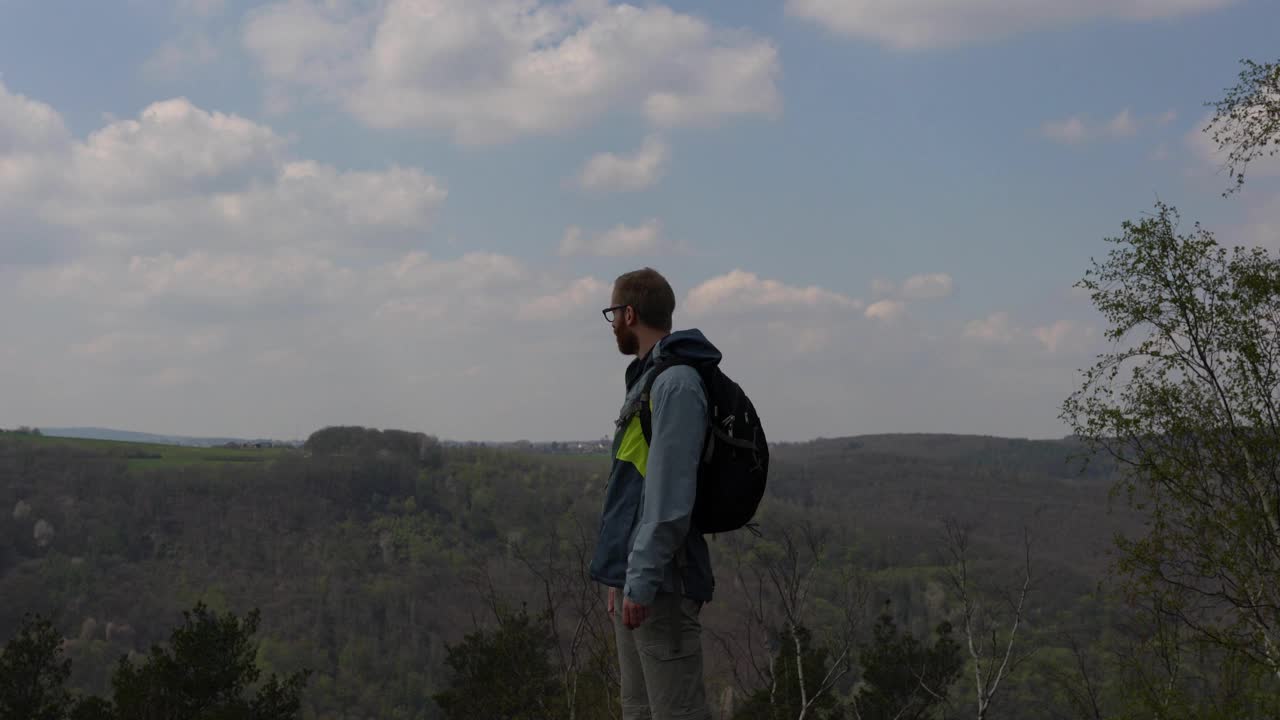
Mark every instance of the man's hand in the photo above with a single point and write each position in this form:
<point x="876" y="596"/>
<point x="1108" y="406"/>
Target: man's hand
<point x="613" y="594"/>
<point x="633" y="614"/>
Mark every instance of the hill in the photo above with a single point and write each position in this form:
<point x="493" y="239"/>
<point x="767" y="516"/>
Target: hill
<point x="96" y="433"/>
<point x="366" y="563"/>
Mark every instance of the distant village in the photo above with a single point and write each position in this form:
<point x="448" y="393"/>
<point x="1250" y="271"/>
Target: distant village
<point x="571" y="447"/>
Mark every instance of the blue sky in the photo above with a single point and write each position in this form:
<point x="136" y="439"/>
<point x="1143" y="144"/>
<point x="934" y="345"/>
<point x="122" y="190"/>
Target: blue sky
<point x="261" y="218"/>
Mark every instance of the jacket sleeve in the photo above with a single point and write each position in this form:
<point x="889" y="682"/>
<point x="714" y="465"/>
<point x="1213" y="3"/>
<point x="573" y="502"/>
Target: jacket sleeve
<point x="670" y="484"/>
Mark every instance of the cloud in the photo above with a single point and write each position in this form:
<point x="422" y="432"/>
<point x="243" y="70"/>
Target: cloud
<point x="883" y="286"/>
<point x="176" y="58"/>
<point x="28" y="125"/>
<point x="172" y="146"/>
<point x="920" y="287"/>
<point x="618" y="241"/>
<point x="1071" y="130"/>
<point x="1122" y="125"/>
<point x="610" y="172"/>
<point x="994" y="328"/>
<point x="1077" y="129"/>
<point x="927" y="287"/>
<point x="580" y="293"/>
<point x="887" y="311"/>
<point x="202" y="8"/>
<point x="180" y="176"/>
<point x="1059" y="337"/>
<point x="229" y="281"/>
<point x="1213" y="158"/>
<point x="1063" y="336"/>
<point x="932" y="24"/>
<point x="741" y="290"/>
<point x="490" y="72"/>
<point x="474" y="271"/>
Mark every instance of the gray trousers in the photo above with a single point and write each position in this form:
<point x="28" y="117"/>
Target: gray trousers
<point x="661" y="662"/>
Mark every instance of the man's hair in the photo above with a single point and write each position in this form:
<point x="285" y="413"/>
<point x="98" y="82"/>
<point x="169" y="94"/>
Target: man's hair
<point x="650" y="295"/>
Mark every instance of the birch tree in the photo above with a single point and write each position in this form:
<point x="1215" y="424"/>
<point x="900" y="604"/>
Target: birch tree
<point x="1188" y="403"/>
<point x="990" y="619"/>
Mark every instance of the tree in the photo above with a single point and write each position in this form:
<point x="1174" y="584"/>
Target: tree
<point x="790" y="695"/>
<point x="206" y="673"/>
<point x="777" y="583"/>
<point x="1247" y="119"/>
<point x="903" y="679"/>
<point x="1189" y="406"/>
<point x="584" y="651"/>
<point x="32" y="673"/>
<point x="990" y="628"/>
<point x="503" y="672"/>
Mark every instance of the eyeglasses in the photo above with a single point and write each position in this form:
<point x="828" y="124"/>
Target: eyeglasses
<point x="609" y="312"/>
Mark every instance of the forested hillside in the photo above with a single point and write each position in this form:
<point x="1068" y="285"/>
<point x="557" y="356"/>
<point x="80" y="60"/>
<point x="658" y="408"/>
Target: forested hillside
<point x="369" y="554"/>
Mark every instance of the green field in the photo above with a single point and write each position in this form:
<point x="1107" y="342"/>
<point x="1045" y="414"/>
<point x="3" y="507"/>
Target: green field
<point x="142" y="456"/>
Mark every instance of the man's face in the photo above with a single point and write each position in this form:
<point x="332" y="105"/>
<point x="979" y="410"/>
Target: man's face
<point x="628" y="342"/>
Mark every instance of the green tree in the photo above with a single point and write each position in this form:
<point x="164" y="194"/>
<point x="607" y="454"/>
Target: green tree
<point x="783" y="700"/>
<point x="1188" y="406"/>
<point x="504" y="672"/>
<point x="32" y="674"/>
<point x="1247" y="119"/>
<point x="903" y="679"/>
<point x="207" y="673"/>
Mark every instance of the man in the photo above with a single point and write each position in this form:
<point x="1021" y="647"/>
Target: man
<point x="654" y="562"/>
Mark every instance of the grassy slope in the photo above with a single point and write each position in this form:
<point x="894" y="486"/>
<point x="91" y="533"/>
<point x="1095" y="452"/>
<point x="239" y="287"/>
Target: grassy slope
<point x="154" y="455"/>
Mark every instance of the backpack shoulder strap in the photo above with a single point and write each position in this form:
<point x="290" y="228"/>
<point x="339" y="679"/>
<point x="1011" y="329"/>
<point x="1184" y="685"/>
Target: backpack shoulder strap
<point x="646" y="394"/>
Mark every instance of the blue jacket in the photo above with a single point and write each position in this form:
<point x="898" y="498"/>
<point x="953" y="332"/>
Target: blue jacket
<point x="647" y="541"/>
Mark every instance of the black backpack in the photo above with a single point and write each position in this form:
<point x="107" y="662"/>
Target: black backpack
<point x="735" y="454"/>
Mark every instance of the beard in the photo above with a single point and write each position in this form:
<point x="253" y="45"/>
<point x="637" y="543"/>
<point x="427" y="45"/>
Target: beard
<point x="628" y="342"/>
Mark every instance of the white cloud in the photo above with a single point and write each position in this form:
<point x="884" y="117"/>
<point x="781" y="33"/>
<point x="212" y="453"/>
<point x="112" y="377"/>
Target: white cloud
<point x="1078" y="129"/>
<point x="1211" y="157"/>
<point x="490" y="72"/>
<point x="1063" y="336"/>
<point x="1122" y="125"/>
<point x="202" y="8"/>
<point x="741" y="290"/>
<point x="229" y="281"/>
<point x="804" y="339"/>
<point x="180" y="176"/>
<point x="27" y="125"/>
<point x="317" y="46"/>
<point x="888" y="311"/>
<point x="179" y="56"/>
<point x="994" y="328"/>
<point x="618" y="241"/>
<point x="578" y="295"/>
<point x="883" y="286"/>
<point x="931" y="286"/>
<point x="929" y="24"/>
<point x="607" y="171"/>
<point x="474" y="271"/>
<point x="1071" y="130"/>
<point x="171" y="147"/>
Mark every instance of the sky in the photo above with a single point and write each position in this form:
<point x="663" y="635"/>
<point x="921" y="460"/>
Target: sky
<point x="225" y="218"/>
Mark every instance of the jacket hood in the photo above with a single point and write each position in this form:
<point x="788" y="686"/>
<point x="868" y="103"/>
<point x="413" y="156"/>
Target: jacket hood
<point x="690" y="345"/>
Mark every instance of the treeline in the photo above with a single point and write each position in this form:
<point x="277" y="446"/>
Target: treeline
<point x="373" y="570"/>
<point x="363" y="442"/>
<point x="207" y="671"/>
<point x="24" y="430"/>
